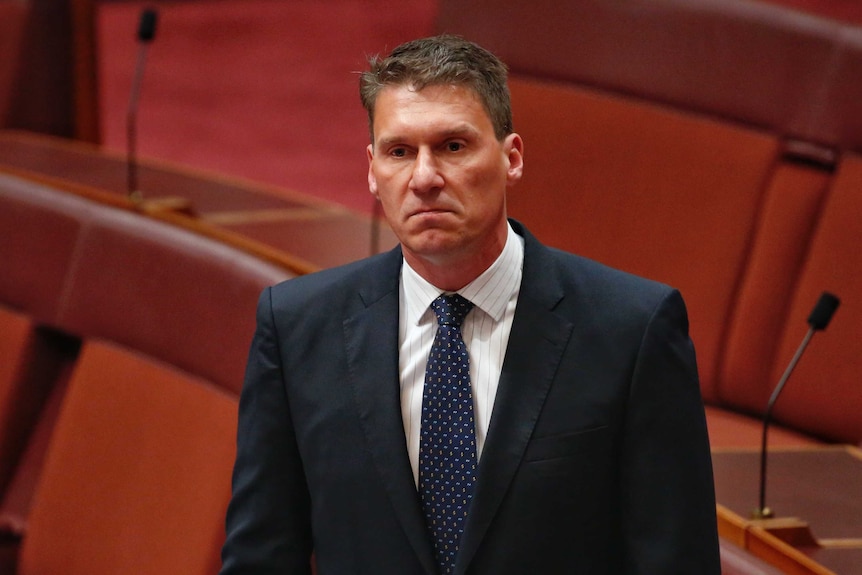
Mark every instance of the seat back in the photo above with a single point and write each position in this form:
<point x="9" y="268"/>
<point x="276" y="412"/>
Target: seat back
<point x="167" y="292"/>
<point x="666" y="195"/>
<point x="94" y="270"/>
<point x="17" y="336"/>
<point x="137" y="477"/>
<point x="40" y="233"/>
<point x="824" y="395"/>
<point x="808" y="256"/>
<point x="33" y="362"/>
<point x="786" y="224"/>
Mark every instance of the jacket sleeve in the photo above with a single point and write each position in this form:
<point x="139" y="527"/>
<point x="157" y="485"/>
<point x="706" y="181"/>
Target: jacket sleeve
<point x="268" y="520"/>
<point x="668" y="497"/>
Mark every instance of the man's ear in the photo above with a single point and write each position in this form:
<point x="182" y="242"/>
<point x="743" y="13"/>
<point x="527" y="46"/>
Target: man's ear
<point x="372" y="181"/>
<point x="514" y="149"/>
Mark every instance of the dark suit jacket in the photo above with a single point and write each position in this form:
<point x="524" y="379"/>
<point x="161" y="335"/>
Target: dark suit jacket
<point x="596" y="460"/>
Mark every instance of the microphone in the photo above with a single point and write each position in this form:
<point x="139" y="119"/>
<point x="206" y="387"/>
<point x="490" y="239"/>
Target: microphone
<point x="817" y="321"/>
<point x="146" y="33"/>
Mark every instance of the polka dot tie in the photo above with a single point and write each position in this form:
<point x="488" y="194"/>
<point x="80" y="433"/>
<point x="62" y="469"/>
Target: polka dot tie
<point x="447" y="445"/>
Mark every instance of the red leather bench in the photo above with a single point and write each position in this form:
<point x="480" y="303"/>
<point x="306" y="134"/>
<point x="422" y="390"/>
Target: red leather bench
<point x="135" y="436"/>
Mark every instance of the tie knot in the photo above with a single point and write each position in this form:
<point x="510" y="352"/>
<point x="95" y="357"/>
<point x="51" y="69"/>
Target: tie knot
<point x="451" y="309"/>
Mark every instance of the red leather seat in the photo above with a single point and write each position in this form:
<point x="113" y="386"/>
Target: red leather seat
<point x="137" y="477"/>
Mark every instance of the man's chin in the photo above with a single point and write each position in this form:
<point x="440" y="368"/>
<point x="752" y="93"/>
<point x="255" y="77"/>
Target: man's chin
<point x="432" y="244"/>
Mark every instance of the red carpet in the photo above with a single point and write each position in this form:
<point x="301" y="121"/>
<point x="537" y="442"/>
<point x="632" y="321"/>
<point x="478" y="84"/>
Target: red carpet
<point x="262" y="89"/>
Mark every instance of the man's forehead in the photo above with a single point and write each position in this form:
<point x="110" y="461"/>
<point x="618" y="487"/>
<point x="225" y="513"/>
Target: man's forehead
<point x="394" y="101"/>
<point x="431" y="90"/>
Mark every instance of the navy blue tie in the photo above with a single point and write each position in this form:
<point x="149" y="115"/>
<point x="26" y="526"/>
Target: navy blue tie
<point x="447" y="445"/>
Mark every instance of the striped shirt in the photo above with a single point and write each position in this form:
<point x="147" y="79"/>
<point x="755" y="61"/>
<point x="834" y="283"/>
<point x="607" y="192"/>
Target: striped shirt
<point x="486" y="333"/>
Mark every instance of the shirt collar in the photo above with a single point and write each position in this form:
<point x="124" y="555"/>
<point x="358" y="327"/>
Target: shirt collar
<point x="490" y="292"/>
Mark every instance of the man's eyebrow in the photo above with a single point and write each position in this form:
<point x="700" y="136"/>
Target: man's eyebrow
<point x="461" y="130"/>
<point x="390" y="140"/>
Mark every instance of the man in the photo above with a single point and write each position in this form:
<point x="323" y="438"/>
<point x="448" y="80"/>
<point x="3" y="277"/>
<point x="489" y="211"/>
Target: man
<point x="557" y="427"/>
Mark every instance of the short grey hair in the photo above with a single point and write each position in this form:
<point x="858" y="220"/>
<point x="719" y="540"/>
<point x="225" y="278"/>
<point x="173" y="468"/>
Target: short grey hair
<point x="442" y="60"/>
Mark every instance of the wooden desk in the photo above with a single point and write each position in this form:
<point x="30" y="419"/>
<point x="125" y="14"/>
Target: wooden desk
<point x="816" y="494"/>
<point x="318" y="234"/>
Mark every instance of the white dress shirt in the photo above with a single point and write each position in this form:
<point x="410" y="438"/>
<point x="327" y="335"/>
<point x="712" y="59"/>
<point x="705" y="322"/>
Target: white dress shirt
<point x="486" y="333"/>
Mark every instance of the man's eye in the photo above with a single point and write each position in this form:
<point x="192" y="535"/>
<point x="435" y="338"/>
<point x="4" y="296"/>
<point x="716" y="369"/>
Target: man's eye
<point x="454" y="146"/>
<point x="398" y="152"/>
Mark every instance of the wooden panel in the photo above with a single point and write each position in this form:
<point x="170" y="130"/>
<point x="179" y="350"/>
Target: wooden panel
<point x="815" y="495"/>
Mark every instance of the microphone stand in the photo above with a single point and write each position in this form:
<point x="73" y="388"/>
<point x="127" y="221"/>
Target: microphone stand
<point x="146" y="32"/>
<point x="762" y="511"/>
<point x="818" y="320"/>
<point x="131" y="129"/>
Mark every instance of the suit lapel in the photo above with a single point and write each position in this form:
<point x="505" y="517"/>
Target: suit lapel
<point x="371" y="338"/>
<point x="535" y="348"/>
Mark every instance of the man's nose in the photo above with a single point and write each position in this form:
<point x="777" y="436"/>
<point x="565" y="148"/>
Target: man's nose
<point x="426" y="174"/>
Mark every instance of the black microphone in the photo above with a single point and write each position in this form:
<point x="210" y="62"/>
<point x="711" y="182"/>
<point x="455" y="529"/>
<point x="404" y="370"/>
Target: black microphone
<point x="147" y="26"/>
<point x="146" y="33"/>
<point x="818" y="320"/>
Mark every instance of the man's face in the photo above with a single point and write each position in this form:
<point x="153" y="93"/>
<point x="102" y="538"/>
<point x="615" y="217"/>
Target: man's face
<point x="441" y="174"/>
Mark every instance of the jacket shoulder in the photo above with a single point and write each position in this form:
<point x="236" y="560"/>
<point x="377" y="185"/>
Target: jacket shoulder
<point x="330" y="285"/>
